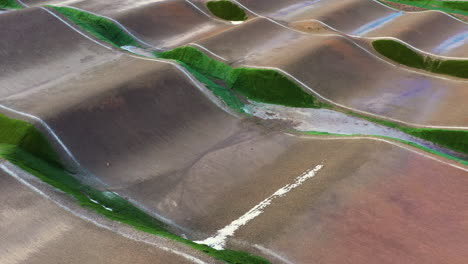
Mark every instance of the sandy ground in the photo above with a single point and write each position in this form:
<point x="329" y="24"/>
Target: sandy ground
<point x="383" y="205"/>
<point x="154" y="136"/>
<point x="162" y="24"/>
<point x="409" y="8"/>
<point x="35" y="230"/>
<point x="329" y="121"/>
<point x="341" y="71"/>
<point x="371" y="19"/>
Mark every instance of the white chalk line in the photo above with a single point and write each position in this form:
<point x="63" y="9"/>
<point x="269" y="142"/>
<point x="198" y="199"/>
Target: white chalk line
<point x="11" y="172"/>
<point x="219" y="240"/>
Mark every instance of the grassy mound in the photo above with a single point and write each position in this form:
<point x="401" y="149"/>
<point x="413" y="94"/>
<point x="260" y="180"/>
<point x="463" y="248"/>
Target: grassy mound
<point x="456" y="7"/>
<point x="99" y="27"/>
<point x="402" y="54"/>
<point x="261" y="85"/>
<point x="10" y="4"/>
<point x="226" y="10"/>
<point x="270" y="86"/>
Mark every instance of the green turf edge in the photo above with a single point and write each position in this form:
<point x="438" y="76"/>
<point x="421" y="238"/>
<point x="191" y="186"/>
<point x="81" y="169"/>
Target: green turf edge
<point x="435" y="152"/>
<point x="25" y="136"/>
<point x="122" y="210"/>
<point x="258" y="84"/>
<point x="226" y="10"/>
<point x="455" y="7"/>
<point x="10" y="4"/>
<point x="100" y="27"/>
<point x="262" y="85"/>
<point x="403" y="54"/>
<point x="456" y="140"/>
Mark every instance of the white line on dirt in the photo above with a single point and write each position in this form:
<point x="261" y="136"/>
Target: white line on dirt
<point x="219" y="240"/>
<point x="9" y="169"/>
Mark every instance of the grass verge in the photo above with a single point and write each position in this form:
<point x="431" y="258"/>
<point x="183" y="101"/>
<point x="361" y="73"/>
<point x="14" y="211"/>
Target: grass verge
<point x="24" y="146"/>
<point x="455" y="7"/>
<point x="226" y="10"/>
<point x="10" y="4"/>
<point x="260" y="85"/>
<point x="100" y="27"/>
<point x="456" y="140"/>
<point x="402" y="54"/>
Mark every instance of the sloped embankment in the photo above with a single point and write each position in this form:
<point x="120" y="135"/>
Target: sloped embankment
<point x="402" y="54"/>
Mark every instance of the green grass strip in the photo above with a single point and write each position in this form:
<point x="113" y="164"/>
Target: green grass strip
<point x="260" y="85"/>
<point x="402" y="54"/>
<point x="10" y="4"/>
<point x="24" y="146"/>
<point x="455" y="7"/>
<point x="100" y="27"/>
<point x="456" y="140"/>
<point x="25" y="136"/>
<point x="226" y="10"/>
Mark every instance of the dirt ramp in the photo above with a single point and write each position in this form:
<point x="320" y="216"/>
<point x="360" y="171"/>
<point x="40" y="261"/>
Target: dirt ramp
<point x="36" y="230"/>
<point x="36" y="48"/>
<point x="132" y="120"/>
<point x="345" y="72"/>
<point x="169" y="24"/>
<point x="378" y="205"/>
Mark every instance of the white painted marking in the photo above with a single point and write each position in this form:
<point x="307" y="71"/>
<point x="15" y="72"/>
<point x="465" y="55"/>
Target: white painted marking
<point x="11" y="172"/>
<point x="219" y="240"/>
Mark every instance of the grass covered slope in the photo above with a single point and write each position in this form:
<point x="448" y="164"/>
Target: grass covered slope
<point x="100" y="27"/>
<point x="26" y="137"/>
<point x="402" y="54"/>
<point x="23" y="145"/>
<point x="10" y="4"/>
<point x="261" y="85"/>
<point x="226" y="10"/>
<point x="269" y="86"/>
<point x="456" y="7"/>
<point x="452" y="139"/>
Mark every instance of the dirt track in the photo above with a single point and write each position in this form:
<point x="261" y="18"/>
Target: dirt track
<point x="154" y="136"/>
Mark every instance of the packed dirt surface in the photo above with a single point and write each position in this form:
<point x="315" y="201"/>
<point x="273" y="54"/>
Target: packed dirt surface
<point x="147" y="130"/>
<point x="36" y="230"/>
